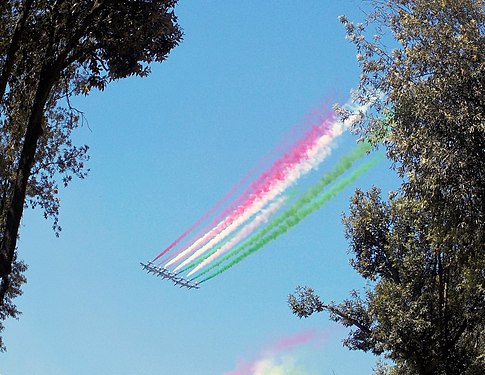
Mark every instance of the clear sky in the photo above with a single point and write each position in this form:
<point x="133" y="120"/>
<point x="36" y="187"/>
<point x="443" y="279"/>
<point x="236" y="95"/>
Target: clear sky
<point x="164" y="149"/>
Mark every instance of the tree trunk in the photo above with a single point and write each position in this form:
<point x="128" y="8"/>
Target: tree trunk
<point x="27" y="157"/>
<point x="48" y="76"/>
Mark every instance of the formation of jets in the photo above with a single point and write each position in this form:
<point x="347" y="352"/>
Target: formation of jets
<point x="166" y="274"/>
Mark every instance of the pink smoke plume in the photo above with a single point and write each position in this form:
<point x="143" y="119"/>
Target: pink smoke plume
<point x="284" y="171"/>
<point x="304" y="337"/>
<point x="211" y="211"/>
<point x="281" y="346"/>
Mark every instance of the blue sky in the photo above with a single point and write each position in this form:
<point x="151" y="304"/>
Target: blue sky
<point x="164" y="149"/>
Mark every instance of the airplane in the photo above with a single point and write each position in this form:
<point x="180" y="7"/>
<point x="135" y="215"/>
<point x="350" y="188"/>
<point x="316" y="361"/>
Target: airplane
<point x="190" y="285"/>
<point x="166" y="274"/>
<point x="150" y="268"/>
<point x="193" y="286"/>
<point x="181" y="282"/>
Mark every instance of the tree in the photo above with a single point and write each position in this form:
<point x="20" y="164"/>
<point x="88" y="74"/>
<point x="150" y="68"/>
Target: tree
<point x="422" y="250"/>
<point x="49" y="51"/>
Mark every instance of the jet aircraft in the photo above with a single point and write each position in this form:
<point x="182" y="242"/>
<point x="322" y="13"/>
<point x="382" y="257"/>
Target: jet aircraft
<point x="166" y="274"/>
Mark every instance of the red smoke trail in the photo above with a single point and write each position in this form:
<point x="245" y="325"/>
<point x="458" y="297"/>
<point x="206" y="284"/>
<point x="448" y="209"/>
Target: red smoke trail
<point x="267" y="181"/>
<point x="218" y="204"/>
<point x="290" y="342"/>
<point x="213" y="223"/>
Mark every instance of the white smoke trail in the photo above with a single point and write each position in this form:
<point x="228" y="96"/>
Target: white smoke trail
<point x="314" y="156"/>
<point x="257" y="205"/>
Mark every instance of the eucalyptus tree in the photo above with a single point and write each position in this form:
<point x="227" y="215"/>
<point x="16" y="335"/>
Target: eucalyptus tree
<point x="422" y="251"/>
<point x="51" y="50"/>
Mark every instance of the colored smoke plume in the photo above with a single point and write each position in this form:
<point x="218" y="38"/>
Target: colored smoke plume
<point x="279" y="358"/>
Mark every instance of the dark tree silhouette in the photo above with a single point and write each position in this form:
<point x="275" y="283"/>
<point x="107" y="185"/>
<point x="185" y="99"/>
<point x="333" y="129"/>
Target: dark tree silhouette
<point x="49" y="51"/>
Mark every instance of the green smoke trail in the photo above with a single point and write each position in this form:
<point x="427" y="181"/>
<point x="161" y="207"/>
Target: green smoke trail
<point x="343" y="165"/>
<point x="203" y="257"/>
<point x="295" y="219"/>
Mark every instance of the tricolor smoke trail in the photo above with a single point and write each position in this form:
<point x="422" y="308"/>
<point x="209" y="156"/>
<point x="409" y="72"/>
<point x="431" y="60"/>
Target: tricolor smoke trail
<point x="204" y="217"/>
<point x="307" y="155"/>
<point x="246" y="225"/>
<point x="345" y="163"/>
<point x="263" y="217"/>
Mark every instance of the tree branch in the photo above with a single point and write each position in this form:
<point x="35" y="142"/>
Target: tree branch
<point x="351" y="321"/>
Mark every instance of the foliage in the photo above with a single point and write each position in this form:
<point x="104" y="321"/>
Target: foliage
<point x="49" y="51"/>
<point x="422" y="250"/>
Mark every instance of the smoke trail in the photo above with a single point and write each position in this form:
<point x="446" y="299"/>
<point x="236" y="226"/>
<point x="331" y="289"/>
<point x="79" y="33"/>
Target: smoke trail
<point x="223" y="214"/>
<point x="243" y="233"/>
<point x="277" y="172"/>
<point x="257" y="221"/>
<point x="222" y="234"/>
<point x="286" y="171"/>
<point x="272" y="365"/>
<point x="314" y="156"/>
<point x="214" y="222"/>
<point x="198" y="222"/>
<point x="297" y="339"/>
<point x="343" y="165"/>
<point x="203" y="257"/>
<point x="300" y="216"/>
